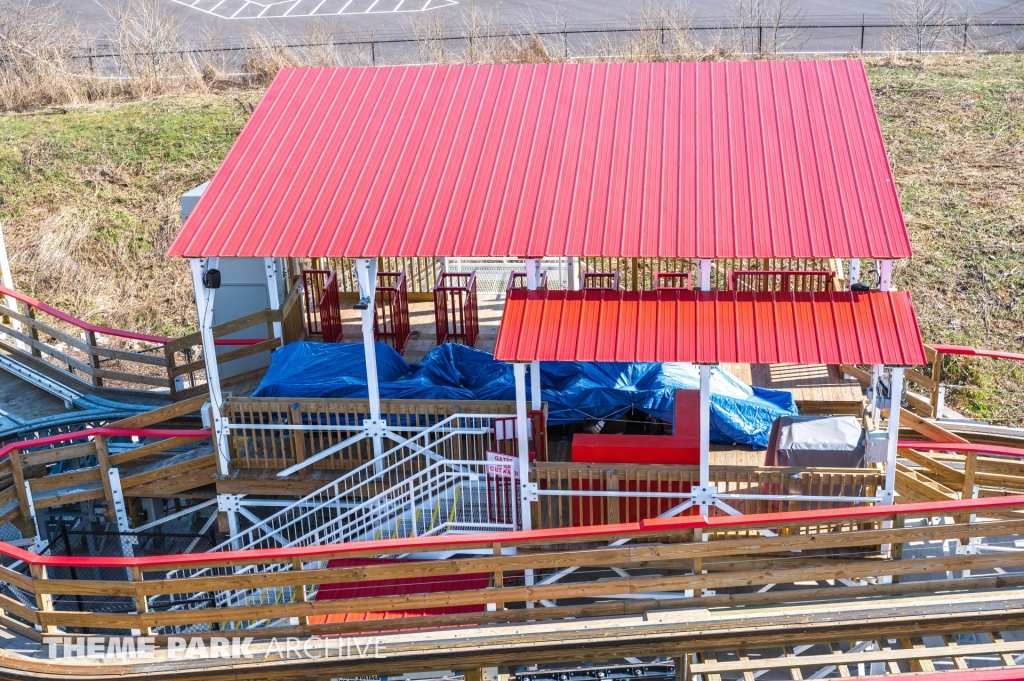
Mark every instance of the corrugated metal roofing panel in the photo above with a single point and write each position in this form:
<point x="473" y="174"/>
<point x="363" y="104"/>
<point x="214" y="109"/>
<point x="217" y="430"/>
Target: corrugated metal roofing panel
<point x="671" y="325"/>
<point x="723" y="159"/>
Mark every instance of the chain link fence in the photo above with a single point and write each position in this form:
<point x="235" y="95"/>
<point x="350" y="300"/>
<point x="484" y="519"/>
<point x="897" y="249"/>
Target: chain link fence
<point x="646" y="41"/>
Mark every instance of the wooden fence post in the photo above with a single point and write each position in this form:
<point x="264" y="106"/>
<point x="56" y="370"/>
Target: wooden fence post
<point x="103" y="460"/>
<point x="936" y="359"/>
<point x="141" y="604"/>
<point x="33" y="332"/>
<point x="18" y="478"/>
<point x="499" y="576"/>
<point x="300" y="591"/>
<point x="44" y="602"/>
<point x="94" y="360"/>
<point x="171" y="385"/>
<point x="297" y="436"/>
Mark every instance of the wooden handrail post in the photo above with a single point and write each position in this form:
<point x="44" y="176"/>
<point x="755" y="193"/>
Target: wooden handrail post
<point x="33" y="332"/>
<point x="300" y="591"/>
<point x="103" y="460"/>
<point x="499" y="575"/>
<point x="44" y="602"/>
<point x="298" y="436"/>
<point x="141" y="604"/>
<point x="933" y="399"/>
<point x="18" y="478"/>
<point x="94" y="360"/>
<point x="171" y="385"/>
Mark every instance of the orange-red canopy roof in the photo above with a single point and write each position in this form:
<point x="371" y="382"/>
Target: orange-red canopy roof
<point x="720" y="326"/>
<point x="710" y="160"/>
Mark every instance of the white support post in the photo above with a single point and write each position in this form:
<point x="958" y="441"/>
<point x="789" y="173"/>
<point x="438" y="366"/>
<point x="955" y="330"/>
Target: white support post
<point x="270" y="265"/>
<point x="38" y="541"/>
<point x="574" y="272"/>
<point x="366" y="273"/>
<point x="705" y="432"/>
<point x="120" y="508"/>
<point x="523" y="437"/>
<point x="885" y="275"/>
<point x="204" y="310"/>
<point x="8" y="281"/>
<point x="895" y="392"/>
<point x="532" y="282"/>
<point x="704" y="274"/>
<point x="854" y="271"/>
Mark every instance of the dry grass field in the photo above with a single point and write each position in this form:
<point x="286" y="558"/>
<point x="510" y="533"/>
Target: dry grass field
<point x="89" y="201"/>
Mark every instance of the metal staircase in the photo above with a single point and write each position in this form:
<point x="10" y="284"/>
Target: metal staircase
<point x="413" y="489"/>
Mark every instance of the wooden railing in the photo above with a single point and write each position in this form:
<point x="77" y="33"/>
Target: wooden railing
<point x="327" y="422"/>
<point x="789" y="555"/>
<point x="86" y="352"/>
<point x="928" y="381"/>
<point x="28" y="461"/>
<point x="639" y="484"/>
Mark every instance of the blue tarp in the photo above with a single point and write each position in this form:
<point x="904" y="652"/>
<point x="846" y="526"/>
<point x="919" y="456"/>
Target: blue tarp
<point x="574" y="391"/>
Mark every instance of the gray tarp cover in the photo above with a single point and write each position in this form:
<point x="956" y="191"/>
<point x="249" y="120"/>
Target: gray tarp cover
<point x="835" y="441"/>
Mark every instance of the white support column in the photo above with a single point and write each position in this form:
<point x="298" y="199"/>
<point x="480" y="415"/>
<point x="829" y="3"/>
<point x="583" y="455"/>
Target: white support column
<point x="204" y="310"/>
<point x="705" y="432"/>
<point x="120" y="508"/>
<point x="854" y="271"/>
<point x="38" y="541"/>
<point x="270" y="265"/>
<point x="574" y="273"/>
<point x="704" y="274"/>
<point x="7" y="279"/>
<point x="885" y="275"/>
<point x="523" y="437"/>
<point x="366" y="273"/>
<point x="532" y="282"/>
<point x="895" y="392"/>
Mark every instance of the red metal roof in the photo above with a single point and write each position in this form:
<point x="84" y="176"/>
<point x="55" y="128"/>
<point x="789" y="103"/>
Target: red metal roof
<point x="727" y="159"/>
<point x="718" y="326"/>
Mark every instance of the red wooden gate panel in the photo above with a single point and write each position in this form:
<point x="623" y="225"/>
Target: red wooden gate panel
<point x="391" y="310"/>
<point x="313" y="289"/>
<point x="330" y="311"/>
<point x="455" y="308"/>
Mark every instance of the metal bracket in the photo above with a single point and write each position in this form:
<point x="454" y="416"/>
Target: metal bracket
<point x="704" y="496"/>
<point x="229" y="503"/>
<point x="888" y="497"/>
<point x="375" y="427"/>
<point x="529" y="491"/>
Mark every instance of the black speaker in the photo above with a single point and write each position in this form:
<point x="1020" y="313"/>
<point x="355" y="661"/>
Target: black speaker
<point x="211" y="279"/>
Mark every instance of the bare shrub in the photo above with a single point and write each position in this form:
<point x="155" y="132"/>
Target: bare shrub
<point x="152" y="55"/>
<point x="38" y="44"/>
<point x="765" y="27"/>
<point x="924" y="26"/>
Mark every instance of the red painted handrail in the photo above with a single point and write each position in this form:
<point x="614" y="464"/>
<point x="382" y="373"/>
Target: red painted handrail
<point x="554" y="536"/>
<point x="104" y="430"/>
<point x="975" y="352"/>
<point x="86" y="326"/>
<point x="962" y="447"/>
<point x="80" y="323"/>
